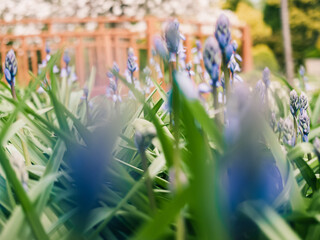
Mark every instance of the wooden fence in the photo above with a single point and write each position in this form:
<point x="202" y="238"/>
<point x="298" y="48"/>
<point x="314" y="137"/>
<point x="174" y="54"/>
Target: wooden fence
<point x="107" y="41"/>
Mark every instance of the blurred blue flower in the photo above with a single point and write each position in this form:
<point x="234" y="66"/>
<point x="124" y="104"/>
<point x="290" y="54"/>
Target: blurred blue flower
<point x="66" y="57"/>
<point x="222" y="32"/>
<point x="131" y="63"/>
<point x="266" y="77"/>
<point x="10" y="67"/>
<point x="160" y="47"/>
<point x="288" y="132"/>
<point x="212" y="59"/>
<point x="303" y="102"/>
<point x="294" y="102"/>
<point x="229" y="51"/>
<point x="172" y="36"/>
<point x="48" y="50"/>
<point x="115" y="67"/>
<point x="304" y="124"/>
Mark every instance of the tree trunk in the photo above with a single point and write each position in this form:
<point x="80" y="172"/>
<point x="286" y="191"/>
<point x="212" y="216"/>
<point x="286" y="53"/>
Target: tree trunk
<point x="287" y="40"/>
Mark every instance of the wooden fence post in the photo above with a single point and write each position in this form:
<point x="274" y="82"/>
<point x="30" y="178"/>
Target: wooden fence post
<point x="247" y="49"/>
<point x="150" y="33"/>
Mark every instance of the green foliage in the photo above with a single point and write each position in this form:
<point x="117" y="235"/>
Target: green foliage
<point x="254" y="18"/>
<point x="304" y="24"/>
<point x="262" y="56"/>
<point x="186" y="162"/>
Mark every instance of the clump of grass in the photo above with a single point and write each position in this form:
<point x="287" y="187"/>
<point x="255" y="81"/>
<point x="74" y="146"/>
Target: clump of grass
<point x="143" y="166"/>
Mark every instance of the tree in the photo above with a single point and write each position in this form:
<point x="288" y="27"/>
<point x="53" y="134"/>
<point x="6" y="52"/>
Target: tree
<point x="304" y="18"/>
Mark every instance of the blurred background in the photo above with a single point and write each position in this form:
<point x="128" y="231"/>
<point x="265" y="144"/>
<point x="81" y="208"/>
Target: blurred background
<point x="55" y="21"/>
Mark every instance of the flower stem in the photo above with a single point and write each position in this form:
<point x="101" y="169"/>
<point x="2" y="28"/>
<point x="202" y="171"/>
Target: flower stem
<point x="148" y="181"/>
<point x="226" y="73"/>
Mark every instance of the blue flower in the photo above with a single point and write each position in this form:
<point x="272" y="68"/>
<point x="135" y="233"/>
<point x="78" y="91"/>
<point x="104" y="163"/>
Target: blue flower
<point x="303" y="102"/>
<point x="222" y="32"/>
<point x="212" y="59"/>
<point x="172" y="36"/>
<point x="48" y="50"/>
<point x="304" y="123"/>
<point x="229" y="51"/>
<point x="266" y="77"/>
<point x="131" y="63"/>
<point x="160" y="47"/>
<point x="11" y="67"/>
<point x="116" y="67"/>
<point x="294" y="102"/>
<point x="66" y="58"/>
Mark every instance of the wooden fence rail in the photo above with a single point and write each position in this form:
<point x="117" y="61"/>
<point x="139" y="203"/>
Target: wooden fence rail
<point x="108" y="41"/>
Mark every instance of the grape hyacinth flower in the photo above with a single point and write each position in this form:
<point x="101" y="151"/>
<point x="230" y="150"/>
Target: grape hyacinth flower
<point x="189" y="69"/>
<point x="303" y="102"/>
<point x="111" y="91"/>
<point x="144" y="134"/>
<point x="172" y="36"/>
<point x="266" y="77"/>
<point x="65" y="72"/>
<point x="294" y="103"/>
<point x="10" y="68"/>
<point x="304" y="124"/>
<point x="131" y="63"/>
<point x="66" y="58"/>
<point x="48" y="51"/>
<point x="115" y="67"/>
<point x="273" y="121"/>
<point x="161" y="48"/>
<point x="234" y="68"/>
<point x="303" y="78"/>
<point x="212" y="59"/>
<point x="222" y="32"/>
<point x="288" y="132"/>
<point x="132" y="66"/>
<point x="223" y="36"/>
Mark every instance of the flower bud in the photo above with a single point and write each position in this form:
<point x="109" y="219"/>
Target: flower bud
<point x="212" y="58"/>
<point x="288" y="132"/>
<point x="131" y="63"/>
<point x="304" y="123"/>
<point x="266" y="77"/>
<point x="273" y="121"/>
<point x="48" y="50"/>
<point x="280" y="125"/>
<point x="222" y="32"/>
<point x="160" y="47"/>
<point x="172" y="36"/>
<point x="303" y="102"/>
<point x="229" y="51"/>
<point x="302" y="71"/>
<point x="66" y="58"/>
<point x="145" y="132"/>
<point x="294" y="102"/>
<point x="116" y="67"/>
<point x="11" y="67"/>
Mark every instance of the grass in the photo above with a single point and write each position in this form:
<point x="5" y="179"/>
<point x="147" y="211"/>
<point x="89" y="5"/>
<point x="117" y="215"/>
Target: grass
<point x="85" y="164"/>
